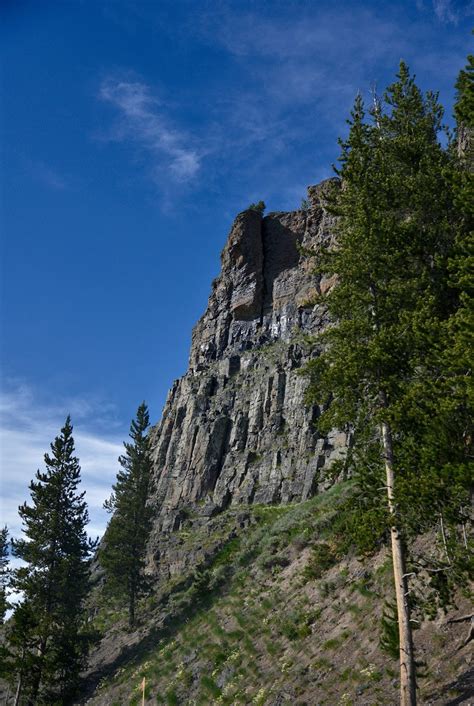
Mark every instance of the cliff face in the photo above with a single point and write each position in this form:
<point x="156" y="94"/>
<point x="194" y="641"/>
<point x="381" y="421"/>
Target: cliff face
<point x="235" y="429"/>
<point x="250" y="604"/>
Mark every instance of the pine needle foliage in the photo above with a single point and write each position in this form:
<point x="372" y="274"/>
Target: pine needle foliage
<point x="259" y="206"/>
<point x="48" y="636"/>
<point x="4" y="604"/>
<point x="4" y="572"/>
<point x="122" y="554"/>
<point x="384" y="367"/>
<point x="389" y="641"/>
<point x="386" y="357"/>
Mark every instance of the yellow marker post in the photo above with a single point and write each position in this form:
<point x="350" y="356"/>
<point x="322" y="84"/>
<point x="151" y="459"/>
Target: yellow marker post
<point x="143" y="691"/>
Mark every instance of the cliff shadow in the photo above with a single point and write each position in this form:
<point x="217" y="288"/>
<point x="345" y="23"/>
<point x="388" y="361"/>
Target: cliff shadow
<point x="280" y="253"/>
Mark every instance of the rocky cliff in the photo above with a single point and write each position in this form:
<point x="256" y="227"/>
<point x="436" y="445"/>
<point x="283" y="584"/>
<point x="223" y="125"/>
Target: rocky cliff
<point x="235" y="429"/>
<point x="250" y="600"/>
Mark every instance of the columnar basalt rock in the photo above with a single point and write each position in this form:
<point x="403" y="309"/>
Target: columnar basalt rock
<point x="235" y="429"/>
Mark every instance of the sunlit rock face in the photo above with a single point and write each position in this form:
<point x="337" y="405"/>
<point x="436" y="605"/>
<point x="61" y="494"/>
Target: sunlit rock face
<point x="235" y="428"/>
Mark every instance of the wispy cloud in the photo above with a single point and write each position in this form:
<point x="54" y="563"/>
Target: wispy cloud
<point x="449" y="12"/>
<point x="27" y="427"/>
<point x="142" y="119"/>
<point x="444" y="11"/>
<point x="291" y="76"/>
<point x="317" y="33"/>
<point x="47" y="175"/>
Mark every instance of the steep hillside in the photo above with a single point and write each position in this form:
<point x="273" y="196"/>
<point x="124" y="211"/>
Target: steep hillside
<point x="275" y="616"/>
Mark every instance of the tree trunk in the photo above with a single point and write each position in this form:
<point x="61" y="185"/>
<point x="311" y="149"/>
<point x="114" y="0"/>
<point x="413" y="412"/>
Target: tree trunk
<point x="407" y="660"/>
<point x="18" y="690"/>
<point x="131" y="607"/>
<point x="443" y="535"/>
<point x="38" y="677"/>
<point x="34" y="690"/>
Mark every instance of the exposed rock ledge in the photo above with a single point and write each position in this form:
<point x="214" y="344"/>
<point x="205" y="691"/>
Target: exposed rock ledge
<point x="235" y="429"/>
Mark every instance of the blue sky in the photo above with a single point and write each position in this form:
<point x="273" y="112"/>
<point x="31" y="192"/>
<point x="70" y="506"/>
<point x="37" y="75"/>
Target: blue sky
<point x="132" y="133"/>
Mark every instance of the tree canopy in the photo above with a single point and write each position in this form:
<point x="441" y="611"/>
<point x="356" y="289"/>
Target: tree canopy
<point x="122" y="553"/>
<point x="383" y="367"/>
<point x="48" y="636"/>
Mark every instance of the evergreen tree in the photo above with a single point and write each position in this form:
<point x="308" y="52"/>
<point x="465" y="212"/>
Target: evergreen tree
<point x="4" y="605"/>
<point x="259" y="206"/>
<point x="122" y="554"/>
<point x="462" y="264"/>
<point x="436" y="444"/>
<point x="464" y="111"/>
<point x="48" y="635"/>
<point x="389" y="308"/>
<point x="4" y="572"/>
<point x="456" y="401"/>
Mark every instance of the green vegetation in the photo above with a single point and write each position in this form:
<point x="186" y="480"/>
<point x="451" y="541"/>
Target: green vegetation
<point x="393" y="367"/>
<point x="243" y="628"/>
<point x="48" y="637"/>
<point x="230" y="620"/>
<point x="259" y="207"/>
<point x="4" y="605"/>
<point x="322" y="558"/>
<point x="4" y="572"/>
<point x="122" y="553"/>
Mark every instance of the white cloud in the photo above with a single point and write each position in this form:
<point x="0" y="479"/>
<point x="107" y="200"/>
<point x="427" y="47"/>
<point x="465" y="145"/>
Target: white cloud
<point x="47" y="175"/>
<point x="292" y="75"/>
<point x="27" y="428"/>
<point x="320" y="34"/>
<point x="448" y="11"/>
<point x="142" y="120"/>
<point x="444" y="11"/>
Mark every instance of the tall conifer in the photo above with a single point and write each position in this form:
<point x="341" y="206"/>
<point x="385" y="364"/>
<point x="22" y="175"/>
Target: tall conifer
<point x="122" y="554"/>
<point x="48" y="634"/>
<point x="4" y="605"/>
<point x="389" y="303"/>
<point x="4" y="572"/>
<point x="462" y="265"/>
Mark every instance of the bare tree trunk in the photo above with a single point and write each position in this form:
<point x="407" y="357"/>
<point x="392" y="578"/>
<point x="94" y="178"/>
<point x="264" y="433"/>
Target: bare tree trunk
<point x="38" y="677"/>
<point x="407" y="660"/>
<point x="131" y="603"/>
<point x="18" y="691"/>
<point x="443" y="535"/>
<point x="464" y="535"/>
<point x="20" y="679"/>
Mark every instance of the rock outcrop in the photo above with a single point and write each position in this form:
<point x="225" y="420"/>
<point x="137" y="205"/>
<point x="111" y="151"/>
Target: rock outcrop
<point x="235" y="429"/>
<point x="247" y="604"/>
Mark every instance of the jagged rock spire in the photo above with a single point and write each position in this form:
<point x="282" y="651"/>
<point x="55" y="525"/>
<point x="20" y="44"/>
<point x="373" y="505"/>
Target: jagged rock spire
<point x="235" y="428"/>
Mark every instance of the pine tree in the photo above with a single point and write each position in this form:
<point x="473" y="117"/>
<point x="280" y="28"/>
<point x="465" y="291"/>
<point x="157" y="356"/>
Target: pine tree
<point x="389" y="306"/>
<point x="437" y="431"/>
<point x="457" y="399"/>
<point x="462" y="264"/>
<point x="4" y="604"/>
<point x="122" y="554"/>
<point x="259" y="206"/>
<point x="4" y="573"/>
<point x="464" y="111"/>
<point x="48" y="634"/>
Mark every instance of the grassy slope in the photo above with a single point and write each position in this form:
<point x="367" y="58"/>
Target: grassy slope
<point x="279" y="618"/>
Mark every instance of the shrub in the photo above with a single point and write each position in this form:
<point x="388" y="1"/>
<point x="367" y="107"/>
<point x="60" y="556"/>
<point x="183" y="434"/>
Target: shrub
<point x="259" y="207"/>
<point x="321" y="560"/>
<point x="210" y="686"/>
